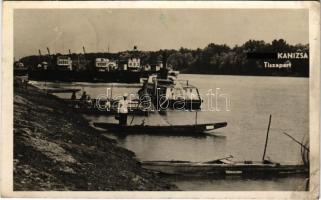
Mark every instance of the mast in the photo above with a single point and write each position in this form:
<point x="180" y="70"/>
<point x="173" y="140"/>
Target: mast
<point x="49" y="57"/>
<point x="267" y="137"/>
<point x="40" y="56"/>
<point x="84" y="50"/>
<point x="48" y="51"/>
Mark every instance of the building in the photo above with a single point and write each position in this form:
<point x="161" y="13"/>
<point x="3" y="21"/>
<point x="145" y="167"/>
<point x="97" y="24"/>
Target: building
<point x="101" y="64"/>
<point x="104" y="64"/>
<point x="64" y="63"/>
<point x="133" y="64"/>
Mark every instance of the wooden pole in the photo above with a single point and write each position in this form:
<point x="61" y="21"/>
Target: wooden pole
<point x="196" y="118"/>
<point x="302" y="145"/>
<point x="134" y="115"/>
<point x="267" y="137"/>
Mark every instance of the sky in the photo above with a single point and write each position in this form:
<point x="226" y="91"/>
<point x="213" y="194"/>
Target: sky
<point x="151" y="29"/>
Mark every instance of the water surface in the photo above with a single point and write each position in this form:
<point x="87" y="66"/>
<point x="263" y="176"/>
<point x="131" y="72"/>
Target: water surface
<point x="252" y="100"/>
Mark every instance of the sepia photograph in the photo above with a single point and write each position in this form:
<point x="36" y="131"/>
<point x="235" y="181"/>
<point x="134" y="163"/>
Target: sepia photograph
<point x="163" y="99"/>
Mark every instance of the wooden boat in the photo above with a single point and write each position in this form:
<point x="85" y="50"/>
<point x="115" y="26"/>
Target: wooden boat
<point x="224" y="167"/>
<point x="154" y="129"/>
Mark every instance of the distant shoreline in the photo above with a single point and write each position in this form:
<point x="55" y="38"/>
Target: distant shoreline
<point x="263" y="75"/>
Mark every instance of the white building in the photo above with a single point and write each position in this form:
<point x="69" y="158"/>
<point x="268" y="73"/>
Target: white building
<point x="64" y="63"/>
<point x="133" y="63"/>
<point x="101" y="64"/>
<point x="104" y="64"/>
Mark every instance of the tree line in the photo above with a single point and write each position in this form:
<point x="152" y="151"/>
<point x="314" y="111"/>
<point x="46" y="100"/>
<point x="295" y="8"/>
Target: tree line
<point x="213" y="59"/>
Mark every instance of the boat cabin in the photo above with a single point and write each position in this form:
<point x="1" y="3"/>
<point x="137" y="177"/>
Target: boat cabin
<point x="184" y="92"/>
<point x="172" y="93"/>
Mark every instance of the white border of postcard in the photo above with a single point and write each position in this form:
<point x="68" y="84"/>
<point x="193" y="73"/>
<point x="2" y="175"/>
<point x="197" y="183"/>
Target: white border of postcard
<point x="7" y="96"/>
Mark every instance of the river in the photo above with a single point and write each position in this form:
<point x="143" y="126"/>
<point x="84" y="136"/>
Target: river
<point x="245" y="103"/>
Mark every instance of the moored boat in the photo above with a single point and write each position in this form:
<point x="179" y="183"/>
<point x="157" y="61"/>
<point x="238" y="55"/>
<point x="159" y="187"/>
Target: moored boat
<point x="224" y="167"/>
<point x="161" y="129"/>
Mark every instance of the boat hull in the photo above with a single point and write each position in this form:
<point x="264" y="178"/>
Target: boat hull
<point x="239" y="169"/>
<point x="176" y="129"/>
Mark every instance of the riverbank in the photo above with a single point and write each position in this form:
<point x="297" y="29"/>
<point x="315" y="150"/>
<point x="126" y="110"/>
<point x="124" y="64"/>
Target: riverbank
<point x="56" y="149"/>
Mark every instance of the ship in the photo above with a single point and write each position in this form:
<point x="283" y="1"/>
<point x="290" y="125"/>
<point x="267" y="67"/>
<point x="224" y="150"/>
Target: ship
<point x="168" y="92"/>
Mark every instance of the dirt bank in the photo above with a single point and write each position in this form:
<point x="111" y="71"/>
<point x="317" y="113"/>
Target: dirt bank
<point x="55" y="149"/>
